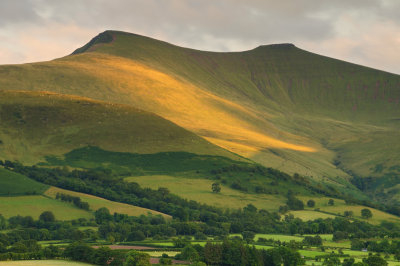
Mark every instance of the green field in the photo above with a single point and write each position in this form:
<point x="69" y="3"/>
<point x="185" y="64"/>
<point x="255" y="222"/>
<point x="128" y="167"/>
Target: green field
<point x="200" y="190"/>
<point x="307" y="215"/>
<point x="160" y="253"/>
<point x="338" y="209"/>
<point x="282" y="238"/>
<point x="35" y="205"/>
<point x="96" y="203"/>
<point x="12" y="184"/>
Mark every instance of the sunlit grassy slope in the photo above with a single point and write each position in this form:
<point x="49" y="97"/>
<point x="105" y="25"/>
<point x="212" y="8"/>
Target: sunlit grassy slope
<point x="200" y="190"/>
<point x="35" y="205"/>
<point x="96" y="203"/>
<point x="36" y="124"/>
<point x="279" y="105"/>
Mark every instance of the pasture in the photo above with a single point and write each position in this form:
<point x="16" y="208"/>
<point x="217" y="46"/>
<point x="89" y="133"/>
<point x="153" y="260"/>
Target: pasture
<point x="35" y="205"/>
<point x="12" y="184"/>
<point x="200" y="190"/>
<point x="96" y="203"/>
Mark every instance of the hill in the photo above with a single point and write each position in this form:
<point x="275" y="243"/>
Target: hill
<point x="34" y="125"/>
<point x="278" y="105"/>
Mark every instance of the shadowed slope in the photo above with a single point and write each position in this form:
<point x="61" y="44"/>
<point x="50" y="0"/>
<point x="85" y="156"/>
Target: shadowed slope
<point x="36" y="124"/>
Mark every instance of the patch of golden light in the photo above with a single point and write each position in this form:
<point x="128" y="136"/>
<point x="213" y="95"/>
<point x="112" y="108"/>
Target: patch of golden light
<point x="221" y="121"/>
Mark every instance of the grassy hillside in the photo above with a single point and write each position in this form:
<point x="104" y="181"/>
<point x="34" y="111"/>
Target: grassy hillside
<point x="279" y="105"/>
<point x="36" y="124"/>
<point x="35" y="205"/>
<point x="14" y="184"/>
<point x="16" y="199"/>
<point x="96" y="203"/>
<point x="200" y="191"/>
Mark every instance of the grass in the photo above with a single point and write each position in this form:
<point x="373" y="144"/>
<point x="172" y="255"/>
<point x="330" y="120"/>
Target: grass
<point x="160" y="253"/>
<point x="377" y="215"/>
<point x="12" y="184"/>
<point x="35" y="205"/>
<point x="311" y="253"/>
<point x="275" y="237"/>
<point x="42" y="262"/>
<point x="200" y="190"/>
<point x="97" y="203"/>
<point x="34" y="125"/>
<point x="339" y="208"/>
<point x="163" y="244"/>
<point x="306" y="215"/>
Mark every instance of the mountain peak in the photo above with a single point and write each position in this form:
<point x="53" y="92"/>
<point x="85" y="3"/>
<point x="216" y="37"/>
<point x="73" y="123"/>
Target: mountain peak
<point x="277" y="46"/>
<point x="104" y="37"/>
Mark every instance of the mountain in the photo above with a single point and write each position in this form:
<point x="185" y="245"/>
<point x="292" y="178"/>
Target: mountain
<point x="278" y="105"/>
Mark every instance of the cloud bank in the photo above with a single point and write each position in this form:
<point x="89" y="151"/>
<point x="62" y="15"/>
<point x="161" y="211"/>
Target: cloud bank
<point x="366" y="32"/>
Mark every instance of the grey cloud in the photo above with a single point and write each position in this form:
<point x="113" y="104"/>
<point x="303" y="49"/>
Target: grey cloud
<point x="12" y="11"/>
<point x="253" y="21"/>
<point x="220" y="25"/>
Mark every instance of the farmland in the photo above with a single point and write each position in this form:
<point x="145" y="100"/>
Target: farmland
<point x="96" y="203"/>
<point x="35" y="205"/>
<point x="200" y="190"/>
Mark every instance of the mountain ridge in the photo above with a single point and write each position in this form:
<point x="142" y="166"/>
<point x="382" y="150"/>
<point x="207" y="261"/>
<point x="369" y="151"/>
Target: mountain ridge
<point x="278" y="105"/>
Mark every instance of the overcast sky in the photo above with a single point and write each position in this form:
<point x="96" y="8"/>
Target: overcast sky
<point x="366" y="32"/>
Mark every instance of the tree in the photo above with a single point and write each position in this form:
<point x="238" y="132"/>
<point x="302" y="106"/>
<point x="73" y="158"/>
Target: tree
<point x="136" y="258"/>
<point x="47" y="216"/>
<point x="136" y="236"/>
<point x="311" y="203"/>
<point x="102" y="215"/>
<point x="166" y="261"/>
<point x="102" y="256"/>
<point x="375" y="260"/>
<point x="348" y="214"/>
<point x="282" y="256"/>
<point x="216" y="187"/>
<point x="3" y="222"/>
<point x="213" y="253"/>
<point x="397" y="255"/>
<point x="312" y="240"/>
<point x="357" y="244"/>
<point x="79" y="251"/>
<point x="331" y="202"/>
<point x="348" y="262"/>
<point x="331" y="261"/>
<point x="294" y="203"/>
<point x="19" y="247"/>
<point x="248" y="236"/>
<point x="189" y="253"/>
<point x="164" y="191"/>
<point x="366" y="213"/>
